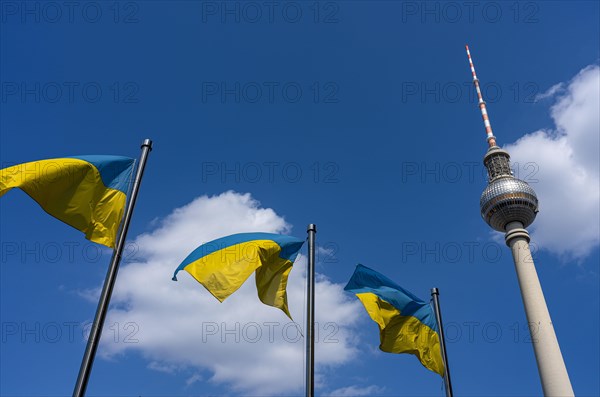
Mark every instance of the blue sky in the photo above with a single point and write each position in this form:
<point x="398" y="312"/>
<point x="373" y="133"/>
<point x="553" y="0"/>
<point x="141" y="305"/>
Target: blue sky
<point x="357" y="116"/>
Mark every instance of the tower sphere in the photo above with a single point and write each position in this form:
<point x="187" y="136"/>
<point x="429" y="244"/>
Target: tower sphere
<point x="508" y="199"/>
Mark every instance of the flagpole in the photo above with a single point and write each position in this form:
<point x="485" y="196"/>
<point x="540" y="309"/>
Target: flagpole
<point x="438" y="316"/>
<point x="310" y="313"/>
<point x="96" y="330"/>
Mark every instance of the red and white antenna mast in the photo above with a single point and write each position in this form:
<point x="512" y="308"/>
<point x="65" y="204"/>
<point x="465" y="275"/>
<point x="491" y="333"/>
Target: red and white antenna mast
<point x="486" y="120"/>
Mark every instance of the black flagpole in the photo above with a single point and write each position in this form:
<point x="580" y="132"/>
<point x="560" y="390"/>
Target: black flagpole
<point x="438" y="316"/>
<point x="94" y="338"/>
<point x="310" y="313"/>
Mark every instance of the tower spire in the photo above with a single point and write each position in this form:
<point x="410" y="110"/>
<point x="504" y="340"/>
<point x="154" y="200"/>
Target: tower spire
<point x="486" y="120"/>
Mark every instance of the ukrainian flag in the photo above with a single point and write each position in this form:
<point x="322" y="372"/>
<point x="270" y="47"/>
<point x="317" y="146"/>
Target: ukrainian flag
<point x="406" y="323"/>
<point x="223" y="265"/>
<point x="86" y="192"/>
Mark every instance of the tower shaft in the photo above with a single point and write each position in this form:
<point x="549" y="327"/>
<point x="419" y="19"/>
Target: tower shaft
<point x="551" y="366"/>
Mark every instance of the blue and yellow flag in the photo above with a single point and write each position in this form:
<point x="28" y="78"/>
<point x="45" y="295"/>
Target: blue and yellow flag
<point x="223" y="265"/>
<point x="86" y="192"/>
<point x="406" y="323"/>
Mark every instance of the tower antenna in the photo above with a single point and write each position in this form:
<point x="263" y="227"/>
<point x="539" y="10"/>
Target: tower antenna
<point x="486" y="120"/>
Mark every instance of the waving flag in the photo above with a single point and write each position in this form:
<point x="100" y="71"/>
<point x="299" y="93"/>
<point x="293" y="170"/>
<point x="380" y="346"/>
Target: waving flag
<point x="86" y="192"/>
<point x="223" y="265"/>
<point x="406" y="324"/>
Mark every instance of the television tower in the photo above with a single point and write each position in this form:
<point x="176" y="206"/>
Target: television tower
<point x="509" y="205"/>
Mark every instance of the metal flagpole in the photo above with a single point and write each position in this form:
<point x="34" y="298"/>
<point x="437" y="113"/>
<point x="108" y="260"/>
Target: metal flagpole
<point x="109" y="282"/>
<point x="310" y="313"/>
<point x="438" y="316"/>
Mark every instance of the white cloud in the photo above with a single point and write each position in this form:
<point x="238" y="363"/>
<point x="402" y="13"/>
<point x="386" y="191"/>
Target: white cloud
<point x="193" y="379"/>
<point x="169" y="369"/>
<point x="357" y="391"/>
<point x="90" y="294"/>
<point x="551" y="92"/>
<point x="562" y="166"/>
<point x="240" y="343"/>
